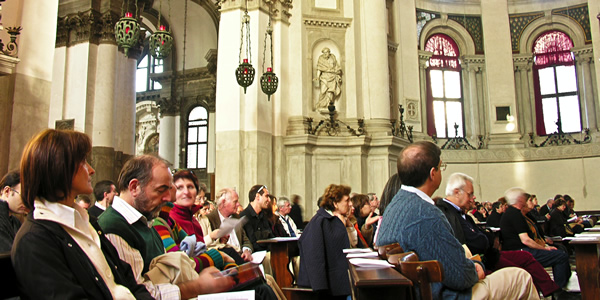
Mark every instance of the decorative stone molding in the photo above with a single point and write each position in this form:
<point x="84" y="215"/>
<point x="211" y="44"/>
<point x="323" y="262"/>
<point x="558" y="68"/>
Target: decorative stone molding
<point x="168" y="106"/>
<point x="84" y="27"/>
<point x="107" y="27"/>
<point x="521" y="154"/>
<point x="340" y="23"/>
<point x="68" y="124"/>
<point x="211" y="58"/>
<point x="580" y="14"/>
<point x="412" y="111"/>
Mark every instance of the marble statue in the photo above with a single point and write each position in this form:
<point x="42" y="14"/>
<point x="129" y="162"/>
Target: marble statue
<point x="329" y="78"/>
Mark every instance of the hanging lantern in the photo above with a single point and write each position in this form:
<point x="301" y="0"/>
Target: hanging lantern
<point x="127" y="31"/>
<point x="161" y="43"/>
<point x="269" y="82"/>
<point x="245" y="74"/>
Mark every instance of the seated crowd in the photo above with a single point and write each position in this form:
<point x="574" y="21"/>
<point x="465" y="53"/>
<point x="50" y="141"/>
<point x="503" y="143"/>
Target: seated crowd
<point x="153" y="235"/>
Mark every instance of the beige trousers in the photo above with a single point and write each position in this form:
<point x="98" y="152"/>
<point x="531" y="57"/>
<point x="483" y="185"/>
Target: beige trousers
<point x="506" y="283"/>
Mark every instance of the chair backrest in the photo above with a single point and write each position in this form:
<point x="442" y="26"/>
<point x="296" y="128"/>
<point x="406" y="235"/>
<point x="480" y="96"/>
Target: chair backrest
<point x="8" y="285"/>
<point x="386" y="250"/>
<point x="422" y="273"/>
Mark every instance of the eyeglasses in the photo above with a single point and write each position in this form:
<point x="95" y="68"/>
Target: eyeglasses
<point x="443" y="166"/>
<point x="262" y="187"/>
<point x="15" y="191"/>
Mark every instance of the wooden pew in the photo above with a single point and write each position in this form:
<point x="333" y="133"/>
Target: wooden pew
<point x="378" y="283"/>
<point x="282" y="251"/>
<point x="587" y="257"/>
<point x="422" y="273"/>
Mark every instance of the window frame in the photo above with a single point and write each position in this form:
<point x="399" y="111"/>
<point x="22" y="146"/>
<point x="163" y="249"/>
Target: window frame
<point x="197" y="142"/>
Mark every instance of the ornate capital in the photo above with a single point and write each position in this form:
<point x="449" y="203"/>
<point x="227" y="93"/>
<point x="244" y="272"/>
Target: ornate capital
<point x="107" y="27"/>
<point x="168" y="106"/>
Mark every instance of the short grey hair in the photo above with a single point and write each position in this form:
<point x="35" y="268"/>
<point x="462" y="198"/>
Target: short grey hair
<point x="457" y="181"/>
<point x="282" y="201"/>
<point x="512" y="195"/>
<point x="224" y="194"/>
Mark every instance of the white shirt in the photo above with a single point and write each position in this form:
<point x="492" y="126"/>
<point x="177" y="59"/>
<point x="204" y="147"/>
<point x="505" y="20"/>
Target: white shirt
<point x="419" y="193"/>
<point x="233" y="241"/>
<point x="99" y="205"/>
<point x="289" y="220"/>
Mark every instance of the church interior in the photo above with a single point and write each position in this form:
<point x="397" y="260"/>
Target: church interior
<point x="507" y="88"/>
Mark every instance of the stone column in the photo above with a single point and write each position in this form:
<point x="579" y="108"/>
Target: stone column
<point x="423" y="64"/>
<point x="169" y="140"/>
<point x="471" y="104"/>
<point x="245" y="132"/>
<point x="376" y="75"/>
<point x="522" y="69"/>
<point x="584" y="59"/>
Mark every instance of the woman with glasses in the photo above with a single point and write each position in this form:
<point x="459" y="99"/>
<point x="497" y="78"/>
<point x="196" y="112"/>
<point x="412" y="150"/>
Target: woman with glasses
<point x="58" y="254"/>
<point x="323" y="265"/>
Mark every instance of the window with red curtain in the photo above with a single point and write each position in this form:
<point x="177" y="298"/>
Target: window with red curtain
<point x="555" y="84"/>
<point x="444" y="88"/>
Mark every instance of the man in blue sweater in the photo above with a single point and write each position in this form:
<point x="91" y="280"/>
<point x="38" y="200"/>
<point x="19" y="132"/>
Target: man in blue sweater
<point x="413" y="221"/>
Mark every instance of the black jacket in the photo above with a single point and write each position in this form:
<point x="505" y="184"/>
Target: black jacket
<point x="49" y="264"/>
<point x="257" y="228"/>
<point x="9" y="226"/>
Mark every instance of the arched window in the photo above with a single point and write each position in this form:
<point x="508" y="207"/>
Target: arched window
<point x="555" y="84"/>
<point x="197" y="138"/>
<point x="444" y="88"/>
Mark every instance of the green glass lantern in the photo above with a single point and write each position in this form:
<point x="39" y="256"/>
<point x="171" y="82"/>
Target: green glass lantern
<point x="245" y="74"/>
<point x="161" y="43"/>
<point x="127" y="31"/>
<point x="269" y="82"/>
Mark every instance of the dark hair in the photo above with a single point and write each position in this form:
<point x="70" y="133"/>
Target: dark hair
<point x="187" y="174"/>
<point x="415" y="162"/>
<point x="559" y="202"/>
<point x="254" y="189"/>
<point x="11" y="179"/>
<point x="104" y="186"/>
<point x="83" y="198"/>
<point x="334" y="194"/>
<point x="49" y="162"/>
<point x="389" y="191"/>
<point x="558" y="196"/>
<point x="496" y="205"/>
<point x="140" y="168"/>
<point x="358" y="201"/>
<point x="568" y="198"/>
<point x="202" y="187"/>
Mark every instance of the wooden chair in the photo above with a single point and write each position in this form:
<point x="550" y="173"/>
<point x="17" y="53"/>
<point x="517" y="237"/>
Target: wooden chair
<point x="8" y="285"/>
<point x="422" y="273"/>
<point x="386" y="250"/>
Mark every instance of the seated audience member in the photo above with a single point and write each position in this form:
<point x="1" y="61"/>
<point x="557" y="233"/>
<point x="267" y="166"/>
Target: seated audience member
<point x="459" y="190"/>
<point x="105" y="192"/>
<point x="200" y="201"/>
<point x="237" y="241"/>
<point x="145" y="184"/>
<point x="11" y="205"/>
<point x="296" y="212"/>
<point x="283" y="209"/>
<point x="271" y="214"/>
<point x="520" y="233"/>
<point x="493" y="220"/>
<point x="365" y="218"/>
<point x="545" y="209"/>
<point x="323" y="266"/>
<point x="480" y="214"/>
<point x="58" y="253"/>
<point x="258" y="226"/>
<point x="576" y="223"/>
<point x="374" y="203"/>
<point x="186" y="186"/>
<point x="176" y="239"/>
<point x="84" y="201"/>
<point x="413" y="221"/>
<point x="391" y="188"/>
<point x="558" y="221"/>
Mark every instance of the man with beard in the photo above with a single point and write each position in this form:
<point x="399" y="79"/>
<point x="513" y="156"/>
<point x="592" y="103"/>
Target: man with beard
<point x="145" y="185"/>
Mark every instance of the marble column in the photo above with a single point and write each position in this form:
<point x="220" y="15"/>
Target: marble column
<point x="498" y="54"/>
<point x="423" y="64"/>
<point x="471" y="104"/>
<point x="522" y="69"/>
<point x="376" y="76"/>
<point x="584" y="60"/>
<point x="168" y="143"/>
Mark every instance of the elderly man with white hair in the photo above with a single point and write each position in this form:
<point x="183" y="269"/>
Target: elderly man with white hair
<point x="283" y="208"/>
<point x="520" y="233"/>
